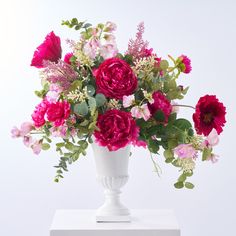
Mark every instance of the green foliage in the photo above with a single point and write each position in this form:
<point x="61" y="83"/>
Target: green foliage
<point x="81" y="108"/>
<point x="74" y="23"/>
<point x="100" y="99"/>
<point x="179" y="185"/>
<point x="206" y="153"/>
<point x="45" y="146"/>
<point x="189" y="185"/>
<point x="159" y="116"/>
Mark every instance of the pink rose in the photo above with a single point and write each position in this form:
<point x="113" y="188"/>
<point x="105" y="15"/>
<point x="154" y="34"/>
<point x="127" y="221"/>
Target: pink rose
<point x="58" y="112"/>
<point x="115" y="78"/>
<point x="160" y="103"/>
<point x="116" y="129"/>
<point x="49" y="50"/>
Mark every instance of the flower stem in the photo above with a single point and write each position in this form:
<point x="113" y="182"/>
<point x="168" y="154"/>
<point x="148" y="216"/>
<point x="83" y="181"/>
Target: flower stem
<point x="177" y="105"/>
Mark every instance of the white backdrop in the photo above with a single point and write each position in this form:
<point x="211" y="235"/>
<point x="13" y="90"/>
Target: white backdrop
<point x="203" y="30"/>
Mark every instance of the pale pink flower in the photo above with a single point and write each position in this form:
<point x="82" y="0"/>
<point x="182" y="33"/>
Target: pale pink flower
<point x="110" y="26"/>
<point x="59" y="131"/>
<point x="128" y="100"/>
<point x="25" y="128"/>
<point x="141" y="112"/>
<point x="15" y="132"/>
<point x="185" y="151"/>
<point x="212" y="139"/>
<point x="213" y="158"/>
<point x="37" y="147"/>
<point x="27" y="140"/>
<point x="175" y="109"/>
<point x="53" y="93"/>
<point x="91" y="47"/>
<point x="108" y="51"/>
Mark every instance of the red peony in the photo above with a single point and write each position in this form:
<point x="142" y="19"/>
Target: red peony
<point x="58" y="112"/>
<point x="209" y="114"/>
<point x="115" y="78"/>
<point x="160" y="103"/>
<point x="116" y="129"/>
<point x="49" y="50"/>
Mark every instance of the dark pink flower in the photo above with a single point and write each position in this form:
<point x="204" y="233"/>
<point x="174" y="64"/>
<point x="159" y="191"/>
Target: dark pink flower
<point x="185" y="64"/>
<point x="115" y="78"/>
<point x="58" y="112"/>
<point x="68" y="57"/>
<point x="39" y="113"/>
<point x="49" y="50"/>
<point x="209" y="114"/>
<point x="160" y="103"/>
<point x="116" y="129"/>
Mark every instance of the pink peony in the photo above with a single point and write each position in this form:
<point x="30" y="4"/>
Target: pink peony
<point x="140" y="143"/>
<point x="185" y="64"/>
<point x="116" y="129"/>
<point x="185" y="151"/>
<point x="141" y="112"/>
<point x="115" y="78"/>
<point x="39" y="113"/>
<point x="160" y="103"/>
<point x="68" y="57"/>
<point x="58" y="112"/>
<point x="49" y="50"/>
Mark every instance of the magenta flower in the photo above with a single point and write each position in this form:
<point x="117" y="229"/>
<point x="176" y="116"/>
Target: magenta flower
<point x="39" y="113"/>
<point x="68" y="57"/>
<point x="185" y="64"/>
<point x="49" y="50"/>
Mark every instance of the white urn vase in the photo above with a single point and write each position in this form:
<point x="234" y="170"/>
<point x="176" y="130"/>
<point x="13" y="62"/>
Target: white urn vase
<point x="112" y="173"/>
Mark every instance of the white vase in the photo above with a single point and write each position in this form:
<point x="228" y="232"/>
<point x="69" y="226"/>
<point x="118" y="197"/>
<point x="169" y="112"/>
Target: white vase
<point x="112" y="173"/>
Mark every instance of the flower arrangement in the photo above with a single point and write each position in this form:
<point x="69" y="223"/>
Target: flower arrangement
<point x="97" y="93"/>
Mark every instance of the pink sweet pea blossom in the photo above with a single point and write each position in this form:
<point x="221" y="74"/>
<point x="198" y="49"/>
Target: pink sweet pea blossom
<point x="110" y="26"/>
<point x="49" y="50"/>
<point x="53" y="93"/>
<point x="37" y="147"/>
<point x="15" y="132"/>
<point x="128" y="100"/>
<point x="141" y="112"/>
<point x="213" y="158"/>
<point x="185" y="151"/>
<point x="27" y="140"/>
<point x="212" y="139"/>
<point x="25" y="128"/>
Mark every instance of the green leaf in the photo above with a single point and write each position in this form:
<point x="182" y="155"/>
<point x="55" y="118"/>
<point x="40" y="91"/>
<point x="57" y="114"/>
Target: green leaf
<point x="100" y="99"/>
<point x="206" y="153"/>
<point x="75" y="85"/>
<point x="164" y="64"/>
<point x="182" y="178"/>
<point x="172" y="118"/>
<point x="81" y="109"/>
<point x="90" y="90"/>
<point x="183" y="124"/>
<point x="87" y="25"/>
<point x="45" y="146"/>
<point x="153" y="146"/>
<point x="179" y="185"/>
<point x="169" y="160"/>
<point x="159" y="116"/>
<point x="69" y="146"/>
<point x="60" y="145"/>
<point x="168" y="154"/>
<point x="92" y="104"/>
<point x="189" y="185"/>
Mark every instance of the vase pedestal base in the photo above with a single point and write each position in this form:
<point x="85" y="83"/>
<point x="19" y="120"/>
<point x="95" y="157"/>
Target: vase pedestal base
<point x="104" y="219"/>
<point x="143" y="223"/>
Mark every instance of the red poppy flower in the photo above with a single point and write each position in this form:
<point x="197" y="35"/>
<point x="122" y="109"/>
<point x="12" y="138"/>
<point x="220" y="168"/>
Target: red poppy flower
<point x="209" y="114"/>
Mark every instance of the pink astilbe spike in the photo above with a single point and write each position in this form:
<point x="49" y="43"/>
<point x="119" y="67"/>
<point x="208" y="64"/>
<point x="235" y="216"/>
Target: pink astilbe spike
<point x="138" y="48"/>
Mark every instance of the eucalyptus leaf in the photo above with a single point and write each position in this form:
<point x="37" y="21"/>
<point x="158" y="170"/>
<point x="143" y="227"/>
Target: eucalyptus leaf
<point x="81" y="109"/>
<point x="100" y="99"/>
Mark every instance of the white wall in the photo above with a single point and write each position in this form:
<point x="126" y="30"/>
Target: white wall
<point x="204" y="30"/>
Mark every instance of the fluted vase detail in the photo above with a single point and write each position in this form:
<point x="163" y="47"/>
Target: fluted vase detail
<point x="112" y="174"/>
